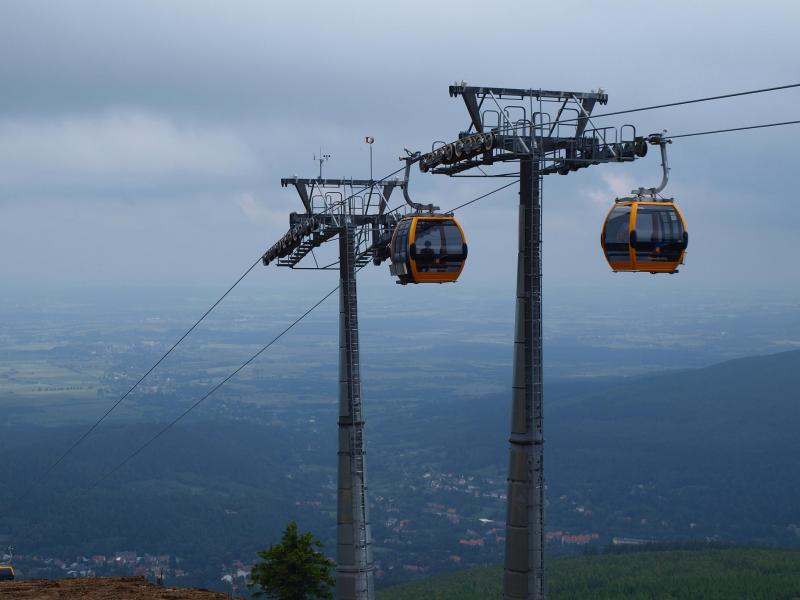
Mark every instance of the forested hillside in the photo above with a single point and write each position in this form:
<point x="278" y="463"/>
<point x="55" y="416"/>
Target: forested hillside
<point x="724" y="574"/>
<point x="697" y="454"/>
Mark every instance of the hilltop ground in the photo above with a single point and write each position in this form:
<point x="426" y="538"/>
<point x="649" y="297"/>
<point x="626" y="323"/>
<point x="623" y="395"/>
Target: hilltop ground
<point x="99" y="588"/>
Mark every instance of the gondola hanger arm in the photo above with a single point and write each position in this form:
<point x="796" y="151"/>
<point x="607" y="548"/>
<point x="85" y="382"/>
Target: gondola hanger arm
<point x="656" y="139"/>
<point x="411" y="158"/>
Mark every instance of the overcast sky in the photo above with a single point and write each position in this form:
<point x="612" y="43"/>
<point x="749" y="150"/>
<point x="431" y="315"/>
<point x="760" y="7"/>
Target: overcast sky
<point x="142" y="143"/>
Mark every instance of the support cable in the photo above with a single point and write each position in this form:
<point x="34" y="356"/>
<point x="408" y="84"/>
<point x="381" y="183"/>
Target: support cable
<point x="684" y="102"/>
<point x="172" y="423"/>
<point x="502" y="187"/>
<point x="113" y="407"/>
<point x="684" y="135"/>
<point x="696" y="100"/>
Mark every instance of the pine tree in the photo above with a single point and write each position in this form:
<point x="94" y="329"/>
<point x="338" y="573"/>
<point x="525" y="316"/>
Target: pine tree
<point x="294" y="569"/>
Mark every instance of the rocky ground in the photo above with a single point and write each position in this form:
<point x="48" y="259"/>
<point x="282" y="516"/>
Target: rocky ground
<point x="99" y="588"/>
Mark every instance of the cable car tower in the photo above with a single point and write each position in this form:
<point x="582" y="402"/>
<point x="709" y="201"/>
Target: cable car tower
<point x="354" y="213"/>
<point x="545" y="132"/>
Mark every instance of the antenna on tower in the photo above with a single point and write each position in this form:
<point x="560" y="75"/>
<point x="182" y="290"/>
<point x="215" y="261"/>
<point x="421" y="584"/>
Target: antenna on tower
<point x="370" y="140"/>
<point x="321" y="159"/>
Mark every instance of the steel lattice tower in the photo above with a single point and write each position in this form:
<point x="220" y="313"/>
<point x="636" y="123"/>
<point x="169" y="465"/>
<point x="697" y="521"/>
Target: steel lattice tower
<point x="335" y="207"/>
<point x="524" y="569"/>
<point x="354" y="542"/>
<point x="524" y="133"/>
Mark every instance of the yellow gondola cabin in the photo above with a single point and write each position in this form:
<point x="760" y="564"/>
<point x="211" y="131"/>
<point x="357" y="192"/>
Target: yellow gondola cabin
<point x="644" y="236"/>
<point x="428" y="249"/>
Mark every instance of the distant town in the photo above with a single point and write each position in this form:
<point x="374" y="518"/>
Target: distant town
<point x="470" y="540"/>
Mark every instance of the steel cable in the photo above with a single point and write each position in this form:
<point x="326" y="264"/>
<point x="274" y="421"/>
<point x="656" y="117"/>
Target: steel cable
<point x="696" y="100"/>
<point x="172" y="423"/>
<point x="685" y="135"/>
<point x="113" y="407"/>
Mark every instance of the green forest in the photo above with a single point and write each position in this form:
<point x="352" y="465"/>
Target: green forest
<point x="644" y="457"/>
<point x="718" y="574"/>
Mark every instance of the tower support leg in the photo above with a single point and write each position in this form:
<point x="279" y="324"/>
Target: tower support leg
<point x="524" y="576"/>
<point x="354" y="576"/>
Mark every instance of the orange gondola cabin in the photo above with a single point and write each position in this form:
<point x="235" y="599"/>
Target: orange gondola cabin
<point x="644" y="236"/>
<point x="428" y="249"/>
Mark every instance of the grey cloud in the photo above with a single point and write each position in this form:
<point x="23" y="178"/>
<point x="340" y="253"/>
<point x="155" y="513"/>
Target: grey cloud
<point x="118" y="149"/>
<point x="224" y="99"/>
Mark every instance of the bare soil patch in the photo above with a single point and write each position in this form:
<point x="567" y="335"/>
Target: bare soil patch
<point x="100" y="588"/>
